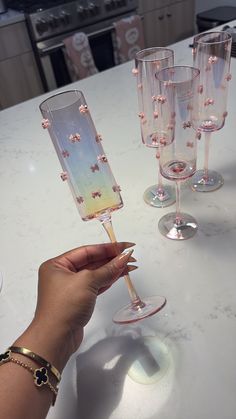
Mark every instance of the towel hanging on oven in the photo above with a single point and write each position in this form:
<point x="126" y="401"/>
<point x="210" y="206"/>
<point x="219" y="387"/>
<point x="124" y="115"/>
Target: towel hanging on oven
<point x="128" y="38"/>
<point x="78" y="56"/>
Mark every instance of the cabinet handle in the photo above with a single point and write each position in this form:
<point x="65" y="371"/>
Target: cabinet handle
<point x="169" y="15"/>
<point x="161" y="17"/>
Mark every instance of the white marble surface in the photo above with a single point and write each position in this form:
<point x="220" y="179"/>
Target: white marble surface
<point x="196" y="331"/>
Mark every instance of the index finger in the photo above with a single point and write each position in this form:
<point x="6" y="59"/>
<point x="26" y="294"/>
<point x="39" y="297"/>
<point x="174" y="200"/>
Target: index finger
<point x="81" y="256"/>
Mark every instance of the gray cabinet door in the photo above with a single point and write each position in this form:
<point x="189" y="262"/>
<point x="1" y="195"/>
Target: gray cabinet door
<point x="19" y="76"/>
<point x="19" y="80"/>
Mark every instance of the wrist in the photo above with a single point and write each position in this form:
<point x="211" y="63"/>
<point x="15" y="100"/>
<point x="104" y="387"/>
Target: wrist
<point x="50" y="342"/>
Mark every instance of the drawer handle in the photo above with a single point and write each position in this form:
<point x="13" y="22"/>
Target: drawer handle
<point x="169" y="15"/>
<point x="161" y="17"/>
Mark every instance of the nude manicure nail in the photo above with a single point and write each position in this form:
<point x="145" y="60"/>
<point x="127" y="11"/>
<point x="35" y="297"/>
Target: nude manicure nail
<point x="132" y="268"/>
<point x="129" y="244"/>
<point x="123" y="259"/>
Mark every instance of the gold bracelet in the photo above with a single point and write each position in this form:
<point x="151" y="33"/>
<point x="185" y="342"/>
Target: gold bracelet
<point x="38" y="359"/>
<point x="40" y="374"/>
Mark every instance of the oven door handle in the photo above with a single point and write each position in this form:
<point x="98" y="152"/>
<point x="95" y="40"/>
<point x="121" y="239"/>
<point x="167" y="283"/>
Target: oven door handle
<point x="45" y="49"/>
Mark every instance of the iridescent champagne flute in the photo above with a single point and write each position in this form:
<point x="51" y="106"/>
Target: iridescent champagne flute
<point x="87" y="171"/>
<point x="211" y="54"/>
<point x="177" y="107"/>
<point x="147" y="64"/>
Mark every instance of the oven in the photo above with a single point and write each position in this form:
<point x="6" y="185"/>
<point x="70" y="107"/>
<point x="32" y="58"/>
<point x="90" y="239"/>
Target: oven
<point x="51" y="57"/>
<point x="49" y="23"/>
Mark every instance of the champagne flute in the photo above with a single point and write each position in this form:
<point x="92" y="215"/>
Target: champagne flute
<point x="178" y="105"/>
<point x="211" y="54"/>
<point x="86" y="168"/>
<point x="147" y="63"/>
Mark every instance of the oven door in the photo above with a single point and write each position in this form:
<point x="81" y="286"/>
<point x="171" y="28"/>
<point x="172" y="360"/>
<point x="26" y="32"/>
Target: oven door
<point x="51" y="58"/>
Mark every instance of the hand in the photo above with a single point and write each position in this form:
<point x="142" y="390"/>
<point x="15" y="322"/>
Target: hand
<point x="68" y="287"/>
<point x="67" y="290"/>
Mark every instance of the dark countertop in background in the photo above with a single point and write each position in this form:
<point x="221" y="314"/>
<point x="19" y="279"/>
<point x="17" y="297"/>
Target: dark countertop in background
<point x="10" y="17"/>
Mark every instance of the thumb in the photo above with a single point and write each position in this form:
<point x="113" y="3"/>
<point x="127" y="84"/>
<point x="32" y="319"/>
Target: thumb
<point x="111" y="271"/>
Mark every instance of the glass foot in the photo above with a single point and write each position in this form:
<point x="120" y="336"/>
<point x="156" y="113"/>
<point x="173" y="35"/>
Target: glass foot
<point x="159" y="198"/>
<point x="200" y="183"/>
<point x="185" y="229"/>
<point x="132" y="313"/>
<point x="153" y="361"/>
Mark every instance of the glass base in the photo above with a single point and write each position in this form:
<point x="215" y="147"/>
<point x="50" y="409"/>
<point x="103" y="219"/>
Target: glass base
<point x="185" y="229"/>
<point x="132" y="313"/>
<point x="159" y="199"/>
<point x="153" y="361"/>
<point x="200" y="183"/>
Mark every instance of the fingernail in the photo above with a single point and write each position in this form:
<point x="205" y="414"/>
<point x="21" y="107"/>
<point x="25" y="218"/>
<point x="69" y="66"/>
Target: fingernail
<point x="129" y="244"/>
<point x="132" y="268"/>
<point x="123" y="259"/>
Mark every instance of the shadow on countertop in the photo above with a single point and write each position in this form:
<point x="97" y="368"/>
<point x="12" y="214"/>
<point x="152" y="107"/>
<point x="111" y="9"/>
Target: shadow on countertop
<point x="101" y="372"/>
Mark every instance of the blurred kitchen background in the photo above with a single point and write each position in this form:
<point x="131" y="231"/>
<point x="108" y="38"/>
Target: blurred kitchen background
<point x="33" y="57"/>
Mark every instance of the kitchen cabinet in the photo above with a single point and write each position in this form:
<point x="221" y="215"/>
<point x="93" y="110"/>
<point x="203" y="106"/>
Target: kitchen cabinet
<point x="19" y="76"/>
<point x="166" y="22"/>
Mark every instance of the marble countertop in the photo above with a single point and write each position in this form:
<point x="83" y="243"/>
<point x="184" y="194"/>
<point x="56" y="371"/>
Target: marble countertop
<point x="190" y="371"/>
<point x="10" y="17"/>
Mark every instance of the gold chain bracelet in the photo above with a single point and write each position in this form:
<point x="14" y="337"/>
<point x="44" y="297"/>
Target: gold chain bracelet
<point x="40" y="374"/>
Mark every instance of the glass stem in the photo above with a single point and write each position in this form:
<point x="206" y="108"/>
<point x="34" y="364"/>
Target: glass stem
<point x="178" y="218"/>
<point x="136" y="302"/>
<point x="160" y="183"/>
<point x="206" y="159"/>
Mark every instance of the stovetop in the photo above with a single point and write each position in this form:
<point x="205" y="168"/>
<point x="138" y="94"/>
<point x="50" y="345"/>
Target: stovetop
<point x="33" y="6"/>
<point x="48" y="18"/>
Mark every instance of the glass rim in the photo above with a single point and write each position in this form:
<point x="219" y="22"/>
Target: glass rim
<point x="197" y="38"/>
<point x="55" y="95"/>
<point x="194" y="70"/>
<point x="154" y="49"/>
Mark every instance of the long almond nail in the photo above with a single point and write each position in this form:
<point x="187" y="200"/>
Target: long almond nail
<point x="132" y="268"/>
<point x="132" y="259"/>
<point x="129" y="244"/>
<point x="123" y="259"/>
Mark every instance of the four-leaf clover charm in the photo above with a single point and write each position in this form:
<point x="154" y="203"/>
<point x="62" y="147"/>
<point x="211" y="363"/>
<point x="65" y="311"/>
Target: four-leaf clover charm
<point x="40" y="376"/>
<point x="4" y="357"/>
